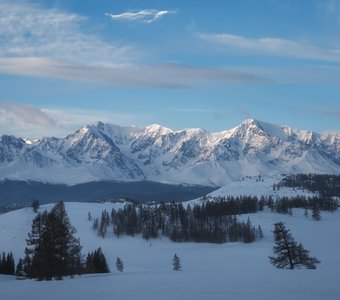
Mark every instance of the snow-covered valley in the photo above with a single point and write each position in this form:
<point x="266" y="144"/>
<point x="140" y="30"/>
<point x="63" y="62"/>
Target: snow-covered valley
<point x="210" y="271"/>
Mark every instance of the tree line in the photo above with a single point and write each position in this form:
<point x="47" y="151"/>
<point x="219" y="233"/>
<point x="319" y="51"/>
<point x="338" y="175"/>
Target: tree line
<point x="212" y="221"/>
<point x="326" y="185"/>
<point x="7" y="265"/>
<point x="285" y="205"/>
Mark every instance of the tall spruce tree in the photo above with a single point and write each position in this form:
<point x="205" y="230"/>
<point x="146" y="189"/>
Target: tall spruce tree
<point x="288" y="253"/>
<point x="52" y="251"/>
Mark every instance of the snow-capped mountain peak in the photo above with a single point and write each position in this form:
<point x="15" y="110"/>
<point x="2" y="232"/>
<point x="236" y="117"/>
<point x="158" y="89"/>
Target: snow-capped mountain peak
<point x="157" y="130"/>
<point x="193" y="156"/>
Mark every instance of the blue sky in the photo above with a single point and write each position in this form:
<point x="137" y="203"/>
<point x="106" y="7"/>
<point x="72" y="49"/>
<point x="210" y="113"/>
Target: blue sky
<point x="209" y="64"/>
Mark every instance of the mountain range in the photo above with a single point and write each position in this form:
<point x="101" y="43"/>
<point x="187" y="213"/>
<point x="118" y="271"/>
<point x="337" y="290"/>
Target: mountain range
<point x="155" y="153"/>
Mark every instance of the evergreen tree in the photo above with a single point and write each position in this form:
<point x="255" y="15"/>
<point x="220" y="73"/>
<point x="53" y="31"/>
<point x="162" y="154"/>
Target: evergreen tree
<point x="7" y="265"/>
<point x="176" y="263"/>
<point x="306" y="213"/>
<point x="67" y="250"/>
<point x="316" y="213"/>
<point x="20" y="267"/>
<point x="35" y="205"/>
<point x="96" y="262"/>
<point x="304" y="259"/>
<point x="284" y="244"/>
<point x="52" y="251"/>
<point x="288" y="253"/>
<point x="34" y="251"/>
<point x="119" y="265"/>
<point x="248" y="232"/>
<point x="259" y="232"/>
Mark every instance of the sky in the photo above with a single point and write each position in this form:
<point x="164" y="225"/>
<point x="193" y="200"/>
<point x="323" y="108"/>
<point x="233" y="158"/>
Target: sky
<point x="181" y="64"/>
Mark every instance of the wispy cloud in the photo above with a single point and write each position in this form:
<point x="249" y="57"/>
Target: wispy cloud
<point x="156" y="75"/>
<point x="271" y="46"/>
<point x="36" y="41"/>
<point x="320" y="74"/>
<point x="333" y="113"/>
<point x="144" y="15"/>
<point x="330" y="6"/>
<point x="244" y="112"/>
<point x="35" y="122"/>
<point x="196" y="110"/>
<point x="21" y="115"/>
<point x="28" y="30"/>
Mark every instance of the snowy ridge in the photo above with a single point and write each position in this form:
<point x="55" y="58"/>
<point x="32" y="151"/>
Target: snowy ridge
<point x="254" y="186"/>
<point x="190" y="156"/>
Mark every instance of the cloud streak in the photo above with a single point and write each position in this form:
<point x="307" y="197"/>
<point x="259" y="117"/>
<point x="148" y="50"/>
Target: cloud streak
<point x="144" y="15"/>
<point x="333" y="113"/>
<point x="156" y="75"/>
<point x="271" y="46"/>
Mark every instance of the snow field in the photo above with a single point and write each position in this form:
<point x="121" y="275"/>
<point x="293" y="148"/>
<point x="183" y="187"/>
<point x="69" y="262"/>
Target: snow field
<point x="210" y="271"/>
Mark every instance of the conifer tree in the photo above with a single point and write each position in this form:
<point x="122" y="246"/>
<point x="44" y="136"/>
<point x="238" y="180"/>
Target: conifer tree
<point x="176" y="263"/>
<point x="119" y="265"/>
<point x="20" y="267"/>
<point x="305" y="213"/>
<point x="52" y="251"/>
<point x="35" y="205"/>
<point x="316" y="213"/>
<point x="7" y="265"/>
<point x="96" y="262"/>
<point x="259" y="232"/>
<point x="288" y="253"/>
<point x="304" y="259"/>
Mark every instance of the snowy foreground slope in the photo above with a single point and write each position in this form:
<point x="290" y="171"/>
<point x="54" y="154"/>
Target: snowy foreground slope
<point x="210" y="271"/>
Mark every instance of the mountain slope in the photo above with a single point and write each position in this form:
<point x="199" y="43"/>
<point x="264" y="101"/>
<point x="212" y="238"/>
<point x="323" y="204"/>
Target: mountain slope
<point x="192" y="156"/>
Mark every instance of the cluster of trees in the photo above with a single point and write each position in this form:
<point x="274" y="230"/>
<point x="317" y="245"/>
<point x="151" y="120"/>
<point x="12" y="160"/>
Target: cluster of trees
<point x="52" y="250"/>
<point x="212" y="221"/>
<point x="290" y="254"/>
<point x="96" y="262"/>
<point x="285" y="205"/>
<point x="7" y="265"/>
<point x="325" y="185"/>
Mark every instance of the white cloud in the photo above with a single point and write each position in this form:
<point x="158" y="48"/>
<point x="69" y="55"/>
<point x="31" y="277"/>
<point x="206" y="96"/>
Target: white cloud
<point x="28" y="30"/>
<point x="144" y="15"/>
<point x="20" y="115"/>
<point x="33" y="122"/>
<point x="37" y="41"/>
<point x="272" y="46"/>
